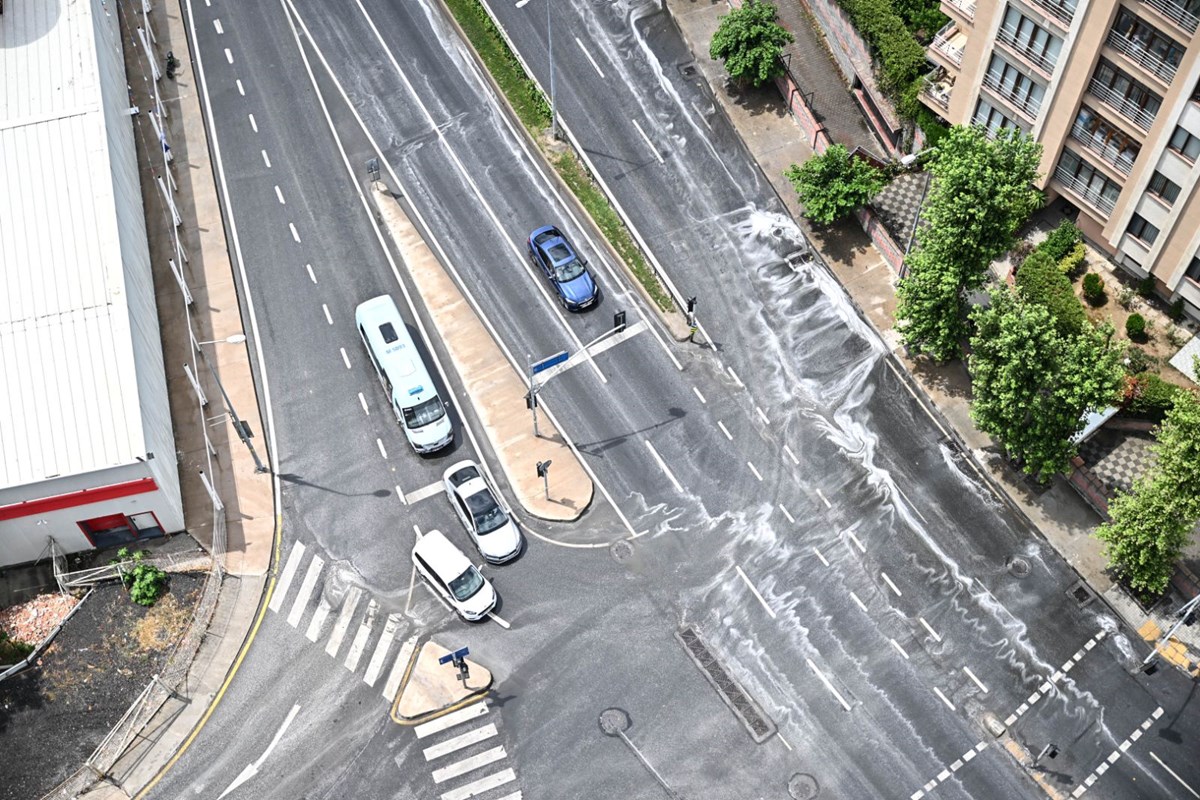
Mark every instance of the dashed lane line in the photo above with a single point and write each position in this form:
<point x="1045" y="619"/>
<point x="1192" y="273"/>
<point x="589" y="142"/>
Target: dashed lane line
<point x="858" y="602"/>
<point x="945" y="699"/>
<point x="253" y="123"/>
<point x="889" y="582"/>
<point x="279" y="196"/>
<point x="267" y="160"/>
<point x="663" y="466"/>
<point x="790" y="518"/>
<point x="242" y="91"/>
<point x="725" y="430"/>
<point x="217" y="25"/>
<point x="790" y="454"/>
<point x="699" y="396"/>
<point x="857" y="543"/>
<point x="312" y="276"/>
<point x="899" y="649"/>
<point x="762" y="415"/>
<point x="754" y="469"/>
<point x="735" y="377"/>
<point x="823" y="559"/>
<point x="588" y="56"/>
<point x="228" y="55"/>
<point x="932" y="632"/>
<point x="345" y="358"/>
<point x="328" y="316"/>
<point x="363" y="402"/>
<point x="382" y="450"/>
<point x="295" y="233"/>
<point x="976" y="680"/>
<point x="649" y="143"/>
<point x="754" y="589"/>
<point x="821" y="495"/>
<point x="827" y="683"/>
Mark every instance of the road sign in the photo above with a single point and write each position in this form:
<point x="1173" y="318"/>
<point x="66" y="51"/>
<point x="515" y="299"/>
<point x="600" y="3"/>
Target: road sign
<point x="457" y="655"/>
<point x="549" y="361"/>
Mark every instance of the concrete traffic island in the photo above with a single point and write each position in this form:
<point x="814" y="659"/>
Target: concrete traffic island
<point x="497" y="391"/>
<point x="429" y="689"/>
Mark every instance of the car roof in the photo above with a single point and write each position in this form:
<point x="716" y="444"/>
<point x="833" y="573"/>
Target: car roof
<point x="441" y="555"/>
<point x="459" y="466"/>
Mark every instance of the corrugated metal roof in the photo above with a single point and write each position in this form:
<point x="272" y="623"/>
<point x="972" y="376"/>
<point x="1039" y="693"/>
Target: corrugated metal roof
<point x="68" y="388"/>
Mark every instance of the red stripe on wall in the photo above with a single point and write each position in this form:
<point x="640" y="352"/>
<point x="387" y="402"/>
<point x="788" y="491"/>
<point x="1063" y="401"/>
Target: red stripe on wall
<point x="80" y="498"/>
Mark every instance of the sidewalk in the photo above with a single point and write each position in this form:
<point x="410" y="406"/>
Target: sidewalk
<point x="1058" y="512"/>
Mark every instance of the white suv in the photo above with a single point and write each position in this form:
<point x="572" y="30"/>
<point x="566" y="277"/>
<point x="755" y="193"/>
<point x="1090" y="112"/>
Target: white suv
<point x="453" y="576"/>
<point x="482" y="513"/>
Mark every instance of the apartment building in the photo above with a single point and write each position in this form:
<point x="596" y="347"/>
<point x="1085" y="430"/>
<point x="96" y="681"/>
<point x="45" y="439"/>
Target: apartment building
<point x="1111" y="88"/>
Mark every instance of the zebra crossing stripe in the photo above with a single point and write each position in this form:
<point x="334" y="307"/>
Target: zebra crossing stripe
<point x="514" y="796"/>
<point x="318" y="618"/>
<point x="474" y="736"/>
<point x="353" y="595"/>
<point x="306" y="590"/>
<point x="285" y="580"/>
<point x="468" y="764"/>
<point x="381" y="650"/>
<point x="398" y="668"/>
<point x="480" y="786"/>
<point x="360" y="638"/>
<point x="450" y="720"/>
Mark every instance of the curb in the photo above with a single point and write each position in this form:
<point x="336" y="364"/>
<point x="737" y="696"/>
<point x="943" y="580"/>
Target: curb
<point x="428" y="716"/>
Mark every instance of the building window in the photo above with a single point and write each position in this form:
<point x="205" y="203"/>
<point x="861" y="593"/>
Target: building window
<point x="1087" y="181"/>
<point x="1142" y="230"/>
<point x="1193" y="271"/>
<point x="991" y="118"/>
<point x="1126" y="90"/>
<point x="1106" y="139"/>
<point x="1148" y="38"/>
<point x="1185" y="144"/>
<point x="1031" y="39"/>
<point x="1163" y="188"/>
<point x="1014" y="85"/>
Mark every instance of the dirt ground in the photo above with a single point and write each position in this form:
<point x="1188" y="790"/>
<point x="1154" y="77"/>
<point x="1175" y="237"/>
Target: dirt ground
<point x="53" y="715"/>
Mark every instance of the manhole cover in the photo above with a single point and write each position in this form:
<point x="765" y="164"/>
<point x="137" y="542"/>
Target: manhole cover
<point x="1018" y="567"/>
<point x="803" y="787"/>
<point x="687" y="70"/>
<point x="613" y="721"/>
<point x="621" y="550"/>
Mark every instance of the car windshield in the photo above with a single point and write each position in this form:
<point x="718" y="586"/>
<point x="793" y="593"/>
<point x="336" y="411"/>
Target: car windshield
<point x="486" y="512"/>
<point x="422" y="414"/>
<point x="466" y="585"/>
<point x="568" y="271"/>
<point x="459" y="477"/>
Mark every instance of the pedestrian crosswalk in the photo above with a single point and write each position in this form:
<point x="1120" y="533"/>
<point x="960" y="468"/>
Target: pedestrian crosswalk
<point x="465" y="759"/>
<point x="362" y="636"/>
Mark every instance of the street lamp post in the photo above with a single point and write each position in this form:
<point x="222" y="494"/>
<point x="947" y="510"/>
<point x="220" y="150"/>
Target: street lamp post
<point x="242" y="428"/>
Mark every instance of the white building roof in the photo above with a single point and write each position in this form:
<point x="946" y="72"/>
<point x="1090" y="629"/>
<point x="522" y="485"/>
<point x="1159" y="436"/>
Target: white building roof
<point x="68" y="388"/>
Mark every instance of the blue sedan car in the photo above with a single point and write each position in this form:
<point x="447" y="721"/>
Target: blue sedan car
<point x="564" y="268"/>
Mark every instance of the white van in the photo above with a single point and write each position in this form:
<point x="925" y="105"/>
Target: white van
<point x="414" y="400"/>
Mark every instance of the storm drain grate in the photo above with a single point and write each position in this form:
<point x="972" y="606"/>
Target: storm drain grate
<point x="1081" y="593"/>
<point x="760" y="727"/>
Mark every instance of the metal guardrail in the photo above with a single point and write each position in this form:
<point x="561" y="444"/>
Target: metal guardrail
<point x="1143" y="57"/>
<point x="1176" y="13"/>
<point x="941" y="43"/>
<point x="965" y="7"/>
<point x="1027" y="105"/>
<point x="1106" y="151"/>
<point x="1060" y="12"/>
<point x="1084" y="190"/>
<point x="1008" y="38"/>
<point x="1135" y="113"/>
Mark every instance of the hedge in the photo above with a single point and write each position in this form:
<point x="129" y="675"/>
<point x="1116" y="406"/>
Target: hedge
<point x="1152" y="397"/>
<point x="901" y="57"/>
<point x="1061" y="241"/>
<point x="1041" y="281"/>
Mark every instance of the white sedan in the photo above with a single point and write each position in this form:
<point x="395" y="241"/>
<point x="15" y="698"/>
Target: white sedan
<point x="481" y="512"/>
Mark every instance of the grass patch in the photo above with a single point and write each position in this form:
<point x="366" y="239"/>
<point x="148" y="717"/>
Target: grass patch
<point x="534" y="112"/>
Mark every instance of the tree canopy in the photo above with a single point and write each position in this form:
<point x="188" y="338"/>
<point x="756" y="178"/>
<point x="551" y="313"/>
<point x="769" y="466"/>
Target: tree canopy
<point x="834" y="183"/>
<point x="749" y="41"/>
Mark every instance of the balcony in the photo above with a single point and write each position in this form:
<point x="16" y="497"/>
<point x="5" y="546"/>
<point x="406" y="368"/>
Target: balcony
<point x="1131" y="111"/>
<point x="965" y="8"/>
<point x="1141" y="56"/>
<point x="1060" y="12"/>
<point x="1043" y="61"/>
<point x="1087" y="191"/>
<point x="1120" y="158"/>
<point x="1176" y="13"/>
<point x="1028" y="106"/>
<point x="950" y="43"/>
<point x="937" y="89"/>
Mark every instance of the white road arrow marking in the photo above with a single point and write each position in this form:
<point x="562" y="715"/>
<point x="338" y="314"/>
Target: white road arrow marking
<point x="252" y="769"/>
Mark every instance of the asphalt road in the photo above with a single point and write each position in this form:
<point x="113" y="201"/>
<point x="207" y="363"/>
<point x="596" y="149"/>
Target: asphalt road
<point x="788" y="496"/>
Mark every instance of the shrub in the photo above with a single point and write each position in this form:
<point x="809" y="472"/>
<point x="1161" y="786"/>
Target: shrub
<point x="1145" y="286"/>
<point x="1152" y="397"/>
<point x="750" y="42"/>
<point x="1019" y="253"/>
<point x="1093" y="287"/>
<point x="1040" y="281"/>
<point x="834" y="183"/>
<point x="1125" y="297"/>
<point x="1061" y="241"/>
<point x="1073" y="262"/>
<point x="1138" y="361"/>
<point x="144" y="582"/>
<point x="1176" y="310"/>
<point x="923" y="18"/>
<point x="901" y="58"/>
<point x="935" y="130"/>
<point x="1135" y="327"/>
<point x="12" y="651"/>
<point x="1176" y="337"/>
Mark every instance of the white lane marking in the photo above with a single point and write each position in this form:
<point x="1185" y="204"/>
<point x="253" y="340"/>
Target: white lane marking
<point x="360" y="636"/>
<point x="318" y="618"/>
<point x="253" y="124"/>
<point x="499" y="620"/>
<point x="762" y="415"/>
<point x="217" y="25"/>
<point x="860" y="603"/>
<point x="469" y="764"/>
<point x="757" y="474"/>
<point x="912" y="505"/>
<point x="375" y="665"/>
<point x="893" y="586"/>
<point x="735" y="377"/>
<point x="400" y="494"/>
<point x="295" y="233"/>
<point x="698" y="395"/>
<point x="700" y="115"/>
<point x="399" y="666"/>
<point x="417" y="531"/>
<point x="754" y="589"/>
<point x="312" y="276"/>
<point x="932" y="632"/>
<point x="785" y="741"/>
<point x="252" y="769"/>
<point x="945" y="700"/>
<point x="821" y="495"/>
<point x="450" y="720"/>
<point x="424" y="492"/>
<point x="790" y="454"/>
<point x="349" y="604"/>
<point x="725" y="430"/>
<point x="649" y="143"/>
<point x="363" y="402"/>
<point x="663" y="466"/>
<point x="978" y="682"/>
<point x="328" y="316"/>
<point x="828" y="685"/>
<point x="241" y="90"/>
<point x="480" y="786"/>
<point x="266" y="159"/>
<point x="306" y="589"/>
<point x="345" y="358"/>
<point x="899" y="649"/>
<point x="823" y="560"/>
<point x="591" y="60"/>
<point x="279" y="196"/>
<point x="1171" y="772"/>
<point x="228" y="55"/>
<point x="382" y="451"/>
<point x="857" y="543"/>
<point x="790" y="518"/>
<point x="285" y="579"/>
<point x="473" y="736"/>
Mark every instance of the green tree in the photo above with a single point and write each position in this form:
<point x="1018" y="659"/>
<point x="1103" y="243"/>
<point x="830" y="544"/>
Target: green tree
<point x="1040" y="280"/>
<point x="1151" y="525"/>
<point x="749" y="41"/>
<point x="1032" y="384"/>
<point x="981" y="194"/>
<point x="834" y="183"/>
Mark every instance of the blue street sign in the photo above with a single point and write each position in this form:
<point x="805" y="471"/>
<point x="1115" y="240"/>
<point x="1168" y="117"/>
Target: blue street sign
<point x="550" y="361"/>
<point x="457" y="654"/>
